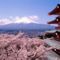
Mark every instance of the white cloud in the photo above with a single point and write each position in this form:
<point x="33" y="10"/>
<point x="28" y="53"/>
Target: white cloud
<point x="5" y="21"/>
<point x="17" y="19"/>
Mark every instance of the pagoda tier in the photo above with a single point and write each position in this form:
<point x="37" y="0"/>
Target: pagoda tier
<point x="55" y="11"/>
<point x="56" y="21"/>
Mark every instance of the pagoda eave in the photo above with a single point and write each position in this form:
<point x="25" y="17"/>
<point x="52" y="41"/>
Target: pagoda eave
<point x="54" y="13"/>
<point x="53" y="22"/>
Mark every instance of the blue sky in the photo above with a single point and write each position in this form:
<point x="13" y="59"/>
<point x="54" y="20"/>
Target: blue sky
<point x="11" y="10"/>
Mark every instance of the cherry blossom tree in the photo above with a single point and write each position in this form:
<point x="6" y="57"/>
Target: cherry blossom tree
<point x="22" y="48"/>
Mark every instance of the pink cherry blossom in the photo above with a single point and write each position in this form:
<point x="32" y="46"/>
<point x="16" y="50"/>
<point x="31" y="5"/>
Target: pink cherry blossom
<point x="16" y="47"/>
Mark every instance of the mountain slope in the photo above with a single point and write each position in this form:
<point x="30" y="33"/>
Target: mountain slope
<point x="26" y="26"/>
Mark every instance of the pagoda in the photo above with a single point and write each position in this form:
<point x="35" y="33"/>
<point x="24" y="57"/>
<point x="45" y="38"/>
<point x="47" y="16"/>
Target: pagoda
<point x="56" y="34"/>
<point x="56" y="11"/>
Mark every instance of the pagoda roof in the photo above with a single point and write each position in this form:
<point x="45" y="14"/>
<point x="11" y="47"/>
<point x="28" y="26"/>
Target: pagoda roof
<point x="55" y="21"/>
<point x="55" y="11"/>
